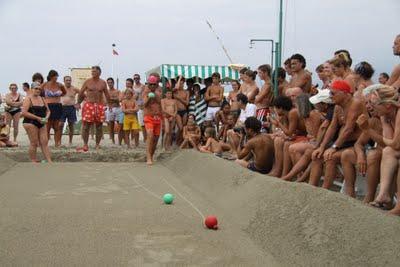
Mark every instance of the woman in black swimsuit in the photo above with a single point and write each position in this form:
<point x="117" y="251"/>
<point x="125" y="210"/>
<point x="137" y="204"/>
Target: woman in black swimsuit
<point x="13" y="109"/>
<point x="36" y="113"/>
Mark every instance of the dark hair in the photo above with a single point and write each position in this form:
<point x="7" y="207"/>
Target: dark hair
<point x="190" y="81"/>
<point x="281" y="73"/>
<point x="25" y="84"/>
<point x="236" y="81"/>
<point x="210" y="131"/>
<point x="340" y="60"/>
<point x="344" y="51"/>
<point x="182" y="78"/>
<point x="299" y="58"/>
<point x="266" y="68"/>
<point x="242" y="98"/>
<point x="320" y="68"/>
<point x="97" y="68"/>
<point x="304" y="105"/>
<point x="67" y="76"/>
<point x="364" y="69"/>
<point x="136" y="74"/>
<point x="194" y="116"/>
<point x="283" y="102"/>
<point x="384" y="74"/>
<point x="287" y="61"/>
<point x="110" y="79"/>
<point x="196" y="85"/>
<point x="216" y="75"/>
<point x="52" y="73"/>
<point x="129" y="80"/>
<point x="37" y="76"/>
<point x="224" y="104"/>
<point x="251" y="74"/>
<point x="242" y="71"/>
<point x="253" y="124"/>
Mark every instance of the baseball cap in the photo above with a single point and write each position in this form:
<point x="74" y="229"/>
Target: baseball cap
<point x="322" y="96"/>
<point x="341" y="85"/>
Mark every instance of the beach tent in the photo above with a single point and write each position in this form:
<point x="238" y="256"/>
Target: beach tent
<point x="171" y="71"/>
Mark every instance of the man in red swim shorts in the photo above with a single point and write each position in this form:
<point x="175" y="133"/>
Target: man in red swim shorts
<point x="93" y="92"/>
<point x="152" y="116"/>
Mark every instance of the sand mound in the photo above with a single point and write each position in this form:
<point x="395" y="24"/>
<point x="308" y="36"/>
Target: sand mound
<point x="296" y="223"/>
<point x="5" y="163"/>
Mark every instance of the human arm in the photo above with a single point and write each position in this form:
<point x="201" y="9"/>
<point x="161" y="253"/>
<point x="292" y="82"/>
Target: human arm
<point x="81" y="95"/>
<point x="262" y="94"/>
<point x="363" y="123"/>
<point x="252" y="94"/>
<point x="106" y="93"/>
<point x="245" y="151"/>
<point x="62" y="88"/>
<point x="394" y="79"/>
<point x="395" y="141"/>
<point x="293" y="119"/>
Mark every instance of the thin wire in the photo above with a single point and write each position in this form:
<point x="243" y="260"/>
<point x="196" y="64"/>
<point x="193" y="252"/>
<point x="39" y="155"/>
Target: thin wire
<point x="190" y="203"/>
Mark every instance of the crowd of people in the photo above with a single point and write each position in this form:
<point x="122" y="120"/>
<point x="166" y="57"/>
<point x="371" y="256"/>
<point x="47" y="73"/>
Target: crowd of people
<point x="346" y="128"/>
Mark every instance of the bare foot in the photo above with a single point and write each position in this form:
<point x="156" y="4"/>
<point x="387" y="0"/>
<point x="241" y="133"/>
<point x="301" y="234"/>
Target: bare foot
<point x="98" y="147"/>
<point x="382" y="203"/>
<point x="274" y="174"/>
<point x="149" y="162"/>
<point x="395" y="211"/>
<point x="35" y="161"/>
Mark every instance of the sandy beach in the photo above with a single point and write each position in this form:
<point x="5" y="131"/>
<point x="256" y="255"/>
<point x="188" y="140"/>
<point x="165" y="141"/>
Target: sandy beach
<point x="103" y="213"/>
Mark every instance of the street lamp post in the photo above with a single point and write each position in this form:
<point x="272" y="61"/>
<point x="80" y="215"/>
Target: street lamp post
<point x="274" y="50"/>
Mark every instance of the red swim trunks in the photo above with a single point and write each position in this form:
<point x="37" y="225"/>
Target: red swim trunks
<point x="153" y="123"/>
<point x="93" y="112"/>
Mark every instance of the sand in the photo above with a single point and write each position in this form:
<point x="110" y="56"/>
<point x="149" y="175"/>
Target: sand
<point x="89" y="213"/>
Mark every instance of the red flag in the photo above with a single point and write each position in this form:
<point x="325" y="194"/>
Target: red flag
<point x="115" y="53"/>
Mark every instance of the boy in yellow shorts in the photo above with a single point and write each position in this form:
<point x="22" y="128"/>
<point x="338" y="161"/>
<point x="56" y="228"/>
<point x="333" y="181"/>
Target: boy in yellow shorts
<point x="131" y="123"/>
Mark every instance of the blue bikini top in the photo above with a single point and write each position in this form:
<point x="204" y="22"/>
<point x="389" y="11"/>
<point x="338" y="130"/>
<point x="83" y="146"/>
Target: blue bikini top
<point x="49" y="93"/>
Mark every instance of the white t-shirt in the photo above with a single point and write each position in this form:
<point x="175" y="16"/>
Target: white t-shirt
<point x="249" y="111"/>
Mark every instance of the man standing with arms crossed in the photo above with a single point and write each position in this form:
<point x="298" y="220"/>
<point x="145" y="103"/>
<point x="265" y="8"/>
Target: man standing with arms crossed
<point x="138" y="88"/>
<point x="93" y="91"/>
<point x="394" y="79"/>
<point x="114" y="111"/>
<point x="69" y="107"/>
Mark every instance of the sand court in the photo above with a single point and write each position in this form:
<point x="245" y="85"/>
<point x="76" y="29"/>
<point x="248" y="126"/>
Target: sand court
<point x="102" y="213"/>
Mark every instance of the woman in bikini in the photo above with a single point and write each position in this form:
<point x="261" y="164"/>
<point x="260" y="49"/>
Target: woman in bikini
<point x="13" y="108"/>
<point x="235" y="110"/>
<point x="53" y="91"/>
<point x="249" y="86"/>
<point x="36" y="113"/>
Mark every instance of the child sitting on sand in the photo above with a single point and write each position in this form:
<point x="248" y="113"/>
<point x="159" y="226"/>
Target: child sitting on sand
<point x="191" y="134"/>
<point x="5" y="133"/>
<point x="229" y="124"/>
<point x="131" y="123"/>
<point x="212" y="145"/>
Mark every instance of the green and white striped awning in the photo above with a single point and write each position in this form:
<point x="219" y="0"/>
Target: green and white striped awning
<point x="171" y="71"/>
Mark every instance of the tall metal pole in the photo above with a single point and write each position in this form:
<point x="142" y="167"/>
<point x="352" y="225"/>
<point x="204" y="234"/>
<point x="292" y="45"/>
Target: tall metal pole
<point x="276" y="88"/>
<point x="280" y="32"/>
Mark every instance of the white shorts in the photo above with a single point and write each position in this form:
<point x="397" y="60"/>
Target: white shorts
<point x="113" y="114"/>
<point x="140" y="116"/>
<point x="211" y="112"/>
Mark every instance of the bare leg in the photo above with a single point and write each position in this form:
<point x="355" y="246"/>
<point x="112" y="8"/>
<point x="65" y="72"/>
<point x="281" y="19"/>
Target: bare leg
<point x="33" y="135"/>
<point x="389" y="166"/>
<point x="396" y="209"/>
<point x="86" y="132"/>
<point x="300" y="166"/>
<point x="57" y="133"/>
<point x="16" y="125"/>
<point x="70" y="132"/>
<point x="193" y="143"/>
<point x="179" y="123"/>
<point x="330" y="169"/>
<point x="348" y="161"/>
<point x="44" y="144"/>
<point x="167" y="130"/>
<point x="149" y="146"/>
<point x="48" y="127"/>
<point x="316" y="171"/>
<point x="278" y="164"/>
<point x="185" y="144"/>
<point x="99" y="134"/>
<point x="136" y="136"/>
<point x="144" y="133"/>
<point x="111" y="125"/>
<point x="126" y="139"/>
<point x="287" y="162"/>
<point x="242" y="163"/>
<point x="234" y="140"/>
<point x="374" y="157"/>
<point x="155" y="142"/>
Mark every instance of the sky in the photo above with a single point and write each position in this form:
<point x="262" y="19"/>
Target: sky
<point x="46" y="34"/>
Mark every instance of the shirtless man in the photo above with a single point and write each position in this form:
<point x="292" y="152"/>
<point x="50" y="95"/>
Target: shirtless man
<point x="138" y="88"/>
<point x="282" y="83"/>
<point x="214" y="97"/>
<point x="182" y="101"/>
<point x="343" y="124"/>
<point x="394" y="79"/>
<point x="264" y="99"/>
<point x="170" y="110"/>
<point x="259" y="146"/>
<point x="113" y="113"/>
<point x="191" y="134"/>
<point x="131" y="125"/>
<point x="300" y="77"/>
<point x="69" y="107"/>
<point x="93" y="91"/>
<point x="152" y="116"/>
